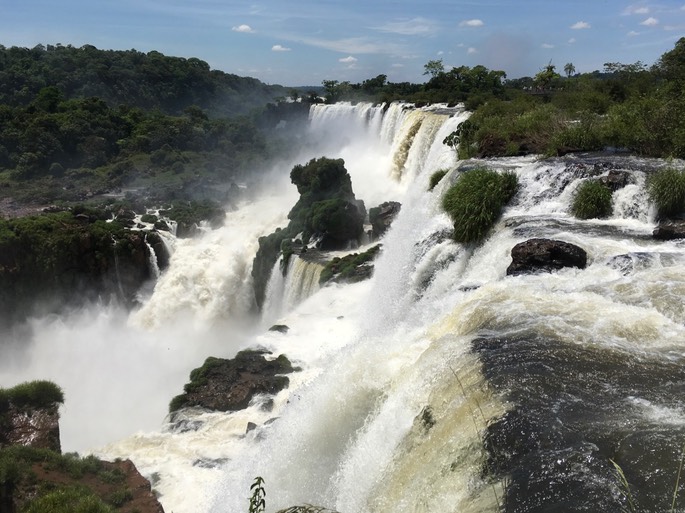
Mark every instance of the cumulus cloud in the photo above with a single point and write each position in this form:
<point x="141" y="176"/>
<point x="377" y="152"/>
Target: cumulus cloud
<point x="243" y="28"/>
<point x="472" y="23"/>
<point x="471" y="50"/>
<point x="650" y="22"/>
<point x="572" y="40"/>
<point x="632" y="33"/>
<point x="348" y="60"/>
<point x="580" y="25"/>
<point x="547" y="45"/>
<point x="279" y="48"/>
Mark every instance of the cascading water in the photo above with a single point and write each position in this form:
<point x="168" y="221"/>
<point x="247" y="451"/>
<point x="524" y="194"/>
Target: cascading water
<point x="440" y="384"/>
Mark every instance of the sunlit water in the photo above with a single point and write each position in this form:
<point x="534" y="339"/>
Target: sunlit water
<point x="438" y="385"/>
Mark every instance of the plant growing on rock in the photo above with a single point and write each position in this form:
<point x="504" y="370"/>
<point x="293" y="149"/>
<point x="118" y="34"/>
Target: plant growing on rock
<point x="666" y="190"/>
<point x="436" y="177"/>
<point x="591" y="200"/>
<point x="475" y="202"/>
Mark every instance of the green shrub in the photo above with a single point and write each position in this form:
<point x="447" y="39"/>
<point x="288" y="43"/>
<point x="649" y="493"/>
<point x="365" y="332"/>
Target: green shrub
<point x="592" y="200"/>
<point x="666" y="190"/>
<point x="68" y="500"/>
<point x="436" y="177"/>
<point x="475" y="202"/>
<point x="33" y="394"/>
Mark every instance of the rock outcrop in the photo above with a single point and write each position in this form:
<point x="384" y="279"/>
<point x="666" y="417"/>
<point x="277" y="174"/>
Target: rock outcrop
<point x="31" y="427"/>
<point x="229" y="385"/>
<point x="546" y="255"/>
<point x="382" y="216"/>
<point x="670" y="229"/>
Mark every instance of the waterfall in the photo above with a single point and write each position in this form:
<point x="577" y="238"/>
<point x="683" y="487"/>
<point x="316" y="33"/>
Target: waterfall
<point x="440" y="384"/>
<point x="152" y="260"/>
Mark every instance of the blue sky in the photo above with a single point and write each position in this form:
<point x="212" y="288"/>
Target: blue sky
<point x="302" y="42"/>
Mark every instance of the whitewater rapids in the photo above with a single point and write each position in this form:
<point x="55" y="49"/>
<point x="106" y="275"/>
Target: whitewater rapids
<point x="438" y="385"/>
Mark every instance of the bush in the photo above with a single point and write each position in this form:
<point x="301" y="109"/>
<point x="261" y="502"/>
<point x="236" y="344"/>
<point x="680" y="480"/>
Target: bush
<point x="666" y="190"/>
<point x="33" y="394"/>
<point x="436" y="177"/>
<point x="475" y="202"/>
<point x="592" y="200"/>
<point x="69" y="500"/>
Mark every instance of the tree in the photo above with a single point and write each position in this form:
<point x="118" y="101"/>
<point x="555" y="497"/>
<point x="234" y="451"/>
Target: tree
<point x="434" y="68"/>
<point x="546" y="77"/>
<point x="569" y="69"/>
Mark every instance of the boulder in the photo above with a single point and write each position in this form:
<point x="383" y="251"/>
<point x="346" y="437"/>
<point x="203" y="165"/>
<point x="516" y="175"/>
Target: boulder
<point x="382" y="216"/>
<point x="230" y="385"/>
<point x="546" y="255"/>
<point x="670" y="229"/>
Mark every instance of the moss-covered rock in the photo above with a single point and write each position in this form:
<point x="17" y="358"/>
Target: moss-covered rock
<point x="229" y="385"/>
<point x="350" y="268"/>
<point x="382" y="216"/>
<point x="65" y="259"/>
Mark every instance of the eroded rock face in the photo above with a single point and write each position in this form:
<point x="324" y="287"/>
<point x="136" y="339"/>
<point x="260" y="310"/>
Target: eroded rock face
<point x="229" y="385"/>
<point x="37" y="428"/>
<point x="545" y="255"/>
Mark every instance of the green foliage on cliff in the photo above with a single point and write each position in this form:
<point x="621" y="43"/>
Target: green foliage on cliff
<point x="436" y="177"/>
<point x="32" y="394"/>
<point x="475" y="202"/>
<point x="666" y="190"/>
<point x="350" y="268"/>
<point x="71" y="483"/>
<point x="591" y="200"/>
<point x="326" y="208"/>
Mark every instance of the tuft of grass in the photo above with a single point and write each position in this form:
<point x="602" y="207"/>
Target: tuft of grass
<point x="436" y="177"/>
<point x="592" y="200"/>
<point x="666" y="190"/>
<point x="258" y="497"/>
<point x="475" y="202"/>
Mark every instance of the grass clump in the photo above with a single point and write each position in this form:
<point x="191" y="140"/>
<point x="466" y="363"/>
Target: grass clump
<point x="436" y="177"/>
<point x="666" y="190"/>
<point x="69" y="500"/>
<point x="592" y="200"/>
<point x="475" y="202"/>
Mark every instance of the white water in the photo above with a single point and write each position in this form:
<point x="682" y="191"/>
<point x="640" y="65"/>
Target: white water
<point x="347" y="433"/>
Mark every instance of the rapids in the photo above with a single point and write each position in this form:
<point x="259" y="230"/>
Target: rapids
<point x="438" y="385"/>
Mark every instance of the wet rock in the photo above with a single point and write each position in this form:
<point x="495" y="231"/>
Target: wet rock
<point x="545" y="255"/>
<point x="615" y="179"/>
<point x="31" y="427"/>
<point x="670" y="229"/>
<point x="382" y="216"/>
<point x="230" y="385"/>
<point x="630" y="262"/>
<point x="280" y="328"/>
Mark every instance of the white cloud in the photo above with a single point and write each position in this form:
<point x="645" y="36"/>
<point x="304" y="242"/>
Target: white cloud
<point x="471" y="50"/>
<point x="243" y="28"/>
<point x="461" y="45"/>
<point x="635" y="9"/>
<point x="279" y="48"/>
<point x="472" y="23"/>
<point x="398" y="65"/>
<point x="632" y="33"/>
<point x="441" y="52"/>
<point x="650" y="22"/>
<point x="580" y="25"/>
<point x="412" y="27"/>
<point x="547" y="45"/>
<point x="348" y="60"/>
<point x="572" y="40"/>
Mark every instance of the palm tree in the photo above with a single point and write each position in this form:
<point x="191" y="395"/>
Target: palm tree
<point x="569" y="69"/>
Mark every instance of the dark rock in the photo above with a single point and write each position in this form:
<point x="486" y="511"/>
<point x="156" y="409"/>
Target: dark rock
<point x="160" y="249"/>
<point x="230" y="385"/>
<point x="630" y="262"/>
<point x="548" y="255"/>
<point x="281" y="328"/>
<point x="31" y="427"/>
<point x="382" y="216"/>
<point x="615" y="180"/>
<point x="670" y="229"/>
<point x="251" y="426"/>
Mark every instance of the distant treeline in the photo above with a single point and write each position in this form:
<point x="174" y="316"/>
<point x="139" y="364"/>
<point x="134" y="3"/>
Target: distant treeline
<point x="132" y="78"/>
